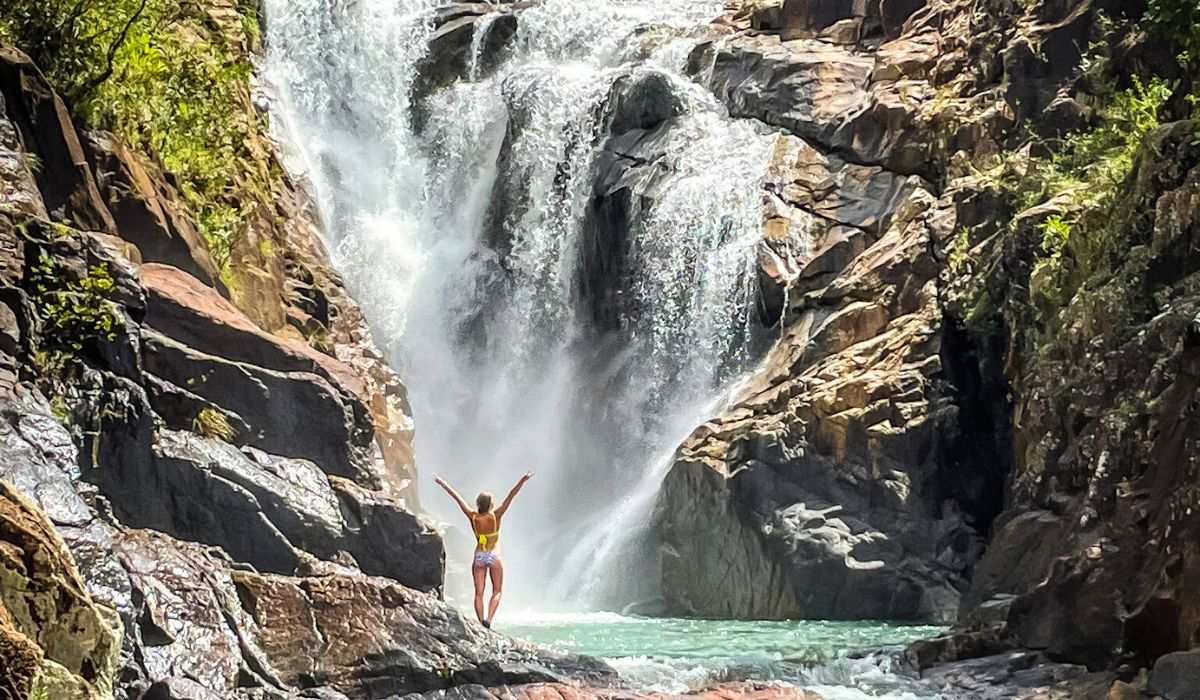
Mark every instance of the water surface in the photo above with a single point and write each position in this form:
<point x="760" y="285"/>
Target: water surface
<point x="840" y="660"/>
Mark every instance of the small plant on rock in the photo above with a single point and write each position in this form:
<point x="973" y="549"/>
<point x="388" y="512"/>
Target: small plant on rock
<point x="212" y="423"/>
<point x="1056" y="233"/>
<point x="73" y="311"/>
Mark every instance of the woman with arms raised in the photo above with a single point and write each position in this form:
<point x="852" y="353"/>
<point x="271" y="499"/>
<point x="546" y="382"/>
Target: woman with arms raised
<point x="485" y="523"/>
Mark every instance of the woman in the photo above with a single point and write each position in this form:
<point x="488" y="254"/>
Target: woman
<point x="485" y="523"/>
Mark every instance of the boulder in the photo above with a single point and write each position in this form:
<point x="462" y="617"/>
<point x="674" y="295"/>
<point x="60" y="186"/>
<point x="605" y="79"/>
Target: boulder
<point x="1018" y="675"/>
<point x="147" y="210"/>
<point x="48" y="622"/>
<point x="1176" y="676"/>
<point x="189" y="622"/>
<point x="295" y="414"/>
<point x="385" y="539"/>
<point x="290" y="383"/>
<point x="268" y="511"/>
<point x="181" y="308"/>
<point x="45" y="130"/>
<point x="332" y="630"/>
<point x="408" y="643"/>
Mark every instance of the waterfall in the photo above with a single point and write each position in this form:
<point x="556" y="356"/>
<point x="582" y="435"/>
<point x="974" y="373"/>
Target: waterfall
<point x="464" y="220"/>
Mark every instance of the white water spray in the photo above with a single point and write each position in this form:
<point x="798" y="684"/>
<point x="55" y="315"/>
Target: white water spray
<point x="462" y="239"/>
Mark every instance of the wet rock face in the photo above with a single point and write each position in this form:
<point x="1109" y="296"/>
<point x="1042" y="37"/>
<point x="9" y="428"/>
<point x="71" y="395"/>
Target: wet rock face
<point x="632" y="162"/>
<point x="50" y="628"/>
<point x="832" y="476"/>
<point x="463" y="41"/>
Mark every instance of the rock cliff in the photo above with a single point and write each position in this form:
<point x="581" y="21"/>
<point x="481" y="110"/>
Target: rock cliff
<point x="973" y="407"/>
<point x="980" y="405"/>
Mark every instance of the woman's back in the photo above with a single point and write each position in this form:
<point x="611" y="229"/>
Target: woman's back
<point x="487" y="530"/>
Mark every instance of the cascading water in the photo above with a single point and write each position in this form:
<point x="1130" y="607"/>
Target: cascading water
<point x="464" y="233"/>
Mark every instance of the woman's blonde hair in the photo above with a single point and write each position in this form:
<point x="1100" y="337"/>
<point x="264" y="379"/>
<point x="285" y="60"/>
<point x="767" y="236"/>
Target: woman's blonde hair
<point x="483" y="502"/>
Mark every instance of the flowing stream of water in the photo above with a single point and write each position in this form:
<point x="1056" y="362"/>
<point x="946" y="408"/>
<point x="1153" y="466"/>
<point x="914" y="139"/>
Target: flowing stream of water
<point x="464" y="238"/>
<point x="839" y="660"/>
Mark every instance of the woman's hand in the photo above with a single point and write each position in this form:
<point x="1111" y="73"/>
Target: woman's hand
<point x="527" y="477"/>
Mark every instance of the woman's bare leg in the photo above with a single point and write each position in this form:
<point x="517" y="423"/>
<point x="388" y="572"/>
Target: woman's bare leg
<point x="479" y="573"/>
<point x="497" y="571"/>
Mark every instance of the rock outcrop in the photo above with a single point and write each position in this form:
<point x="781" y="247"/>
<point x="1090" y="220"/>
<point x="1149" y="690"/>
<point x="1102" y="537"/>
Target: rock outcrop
<point x="54" y="638"/>
<point x="829" y="458"/>
<point x="826" y="477"/>
<point x="948" y="375"/>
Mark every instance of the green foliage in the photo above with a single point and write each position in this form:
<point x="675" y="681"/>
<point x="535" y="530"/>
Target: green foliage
<point x="1089" y="167"/>
<point x="159" y="74"/>
<point x="72" y="312"/>
<point x="1056" y="234"/>
<point x="1178" y="21"/>
<point x="1056" y="231"/>
<point x="1083" y="174"/>
<point x="211" y="423"/>
<point x="958" y="252"/>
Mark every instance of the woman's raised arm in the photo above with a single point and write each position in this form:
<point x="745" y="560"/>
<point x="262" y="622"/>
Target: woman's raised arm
<point x="466" y="509"/>
<point x="513" y="494"/>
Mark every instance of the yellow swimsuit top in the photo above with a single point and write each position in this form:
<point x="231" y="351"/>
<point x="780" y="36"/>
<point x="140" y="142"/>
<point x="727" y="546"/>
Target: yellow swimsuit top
<point x="487" y="540"/>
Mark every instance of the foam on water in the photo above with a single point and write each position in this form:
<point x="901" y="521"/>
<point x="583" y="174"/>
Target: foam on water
<point x="840" y="660"/>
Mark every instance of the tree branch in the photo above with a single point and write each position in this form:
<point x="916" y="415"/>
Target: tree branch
<point x="112" y="52"/>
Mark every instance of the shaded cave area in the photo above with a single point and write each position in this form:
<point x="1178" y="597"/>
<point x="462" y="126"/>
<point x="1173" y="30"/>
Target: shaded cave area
<point x="976" y="457"/>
